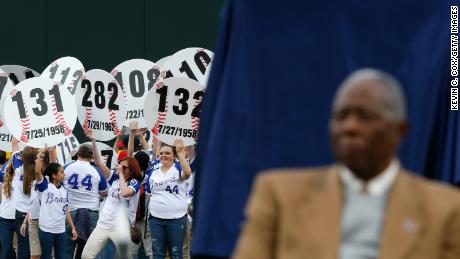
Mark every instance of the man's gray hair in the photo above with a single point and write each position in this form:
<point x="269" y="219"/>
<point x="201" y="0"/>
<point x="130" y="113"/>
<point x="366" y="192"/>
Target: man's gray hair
<point x="395" y="99"/>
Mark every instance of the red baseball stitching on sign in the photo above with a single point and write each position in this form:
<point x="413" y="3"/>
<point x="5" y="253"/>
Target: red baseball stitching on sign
<point x="196" y="120"/>
<point x="88" y="113"/>
<point x="201" y="58"/>
<point x="203" y="62"/>
<point x="114" y="72"/>
<point x="163" y="73"/>
<point x="25" y="126"/>
<point x="123" y="90"/>
<point x="1" y="123"/>
<point x="59" y="118"/>
<point x="161" y="118"/>
<point x="159" y="85"/>
<point x="113" y="118"/>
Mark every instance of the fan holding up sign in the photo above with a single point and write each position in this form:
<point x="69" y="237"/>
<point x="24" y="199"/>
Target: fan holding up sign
<point x="100" y="104"/>
<point x="39" y="112"/>
<point x="173" y="110"/>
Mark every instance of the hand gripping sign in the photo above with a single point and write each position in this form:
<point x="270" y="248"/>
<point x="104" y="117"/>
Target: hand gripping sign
<point x="39" y="112"/>
<point x="18" y="73"/>
<point x="137" y="77"/>
<point x="108" y="155"/>
<point x="193" y="63"/>
<point x="67" y="71"/>
<point x="5" y="135"/>
<point x="100" y="105"/>
<point x="173" y="110"/>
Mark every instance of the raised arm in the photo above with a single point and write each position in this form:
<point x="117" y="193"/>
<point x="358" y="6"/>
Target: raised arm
<point x="133" y="127"/>
<point x="144" y="144"/>
<point x="98" y="160"/>
<point x="119" y="138"/>
<point x="53" y="154"/>
<point x="125" y="191"/>
<point x="39" y="168"/>
<point x="180" y="149"/>
<point x="14" y="145"/>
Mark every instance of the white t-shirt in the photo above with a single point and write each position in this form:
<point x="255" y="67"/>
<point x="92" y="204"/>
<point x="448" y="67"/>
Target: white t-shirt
<point x="7" y="210"/>
<point x="168" y="199"/>
<point x="53" y="206"/>
<point x="107" y="215"/>
<point x="84" y="182"/>
<point x="21" y="201"/>
<point x="34" y="205"/>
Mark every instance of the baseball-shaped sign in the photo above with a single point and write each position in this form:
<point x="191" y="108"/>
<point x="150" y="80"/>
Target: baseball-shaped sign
<point x="5" y="135"/>
<point x="108" y="155"/>
<point x="173" y="110"/>
<point x="18" y="73"/>
<point x="100" y="104"/>
<point x="67" y="71"/>
<point x="39" y="112"/>
<point x="193" y="63"/>
<point x="66" y="148"/>
<point x="137" y="77"/>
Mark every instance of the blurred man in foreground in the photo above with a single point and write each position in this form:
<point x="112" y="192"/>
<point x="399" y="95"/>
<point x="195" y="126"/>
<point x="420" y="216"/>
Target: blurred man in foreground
<point x="365" y="206"/>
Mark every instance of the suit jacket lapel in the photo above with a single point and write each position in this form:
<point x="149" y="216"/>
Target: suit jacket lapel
<point x="403" y="220"/>
<point x="322" y="209"/>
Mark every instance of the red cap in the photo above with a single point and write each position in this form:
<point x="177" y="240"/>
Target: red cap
<point x="122" y="155"/>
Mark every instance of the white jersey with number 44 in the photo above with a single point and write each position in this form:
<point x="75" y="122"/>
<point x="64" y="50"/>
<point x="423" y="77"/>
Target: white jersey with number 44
<point x="168" y="200"/>
<point x="84" y="182"/>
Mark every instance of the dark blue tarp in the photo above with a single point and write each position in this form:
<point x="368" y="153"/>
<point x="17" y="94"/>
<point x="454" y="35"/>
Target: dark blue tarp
<point x="276" y="68"/>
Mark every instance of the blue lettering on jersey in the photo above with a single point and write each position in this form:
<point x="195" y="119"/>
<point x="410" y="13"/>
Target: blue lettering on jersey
<point x="86" y="182"/>
<point x="167" y="181"/>
<point x="51" y="198"/>
<point x="175" y="189"/>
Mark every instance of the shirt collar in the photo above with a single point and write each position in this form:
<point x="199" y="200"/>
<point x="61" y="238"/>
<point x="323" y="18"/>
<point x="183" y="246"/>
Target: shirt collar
<point x="377" y="186"/>
<point x="83" y="162"/>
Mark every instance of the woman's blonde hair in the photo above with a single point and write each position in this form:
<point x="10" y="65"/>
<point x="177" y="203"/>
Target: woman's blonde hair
<point x="8" y="179"/>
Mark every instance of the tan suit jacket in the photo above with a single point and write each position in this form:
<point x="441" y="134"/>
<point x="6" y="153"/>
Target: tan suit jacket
<point x="297" y="213"/>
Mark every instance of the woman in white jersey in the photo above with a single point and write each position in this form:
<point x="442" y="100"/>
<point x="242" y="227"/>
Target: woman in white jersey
<point x="7" y="212"/>
<point x="168" y="202"/>
<point x="31" y="221"/>
<point x="124" y="187"/>
<point x="54" y="211"/>
<point x="24" y="175"/>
